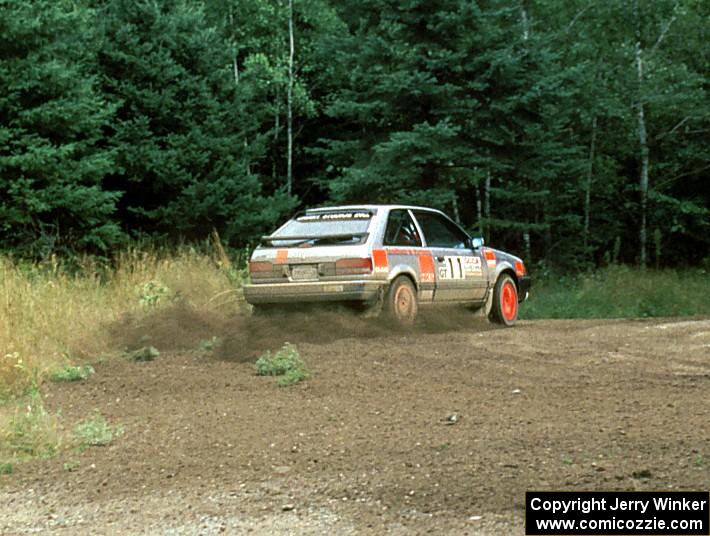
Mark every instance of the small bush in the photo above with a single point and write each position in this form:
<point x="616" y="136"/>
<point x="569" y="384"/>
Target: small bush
<point x="71" y="465"/>
<point x="152" y="293"/>
<point x="208" y="345"/>
<point x="292" y="376"/>
<point x="147" y="353"/>
<point x="32" y="431"/>
<point x="69" y="373"/>
<point x="286" y="363"/>
<point x="6" y="469"/>
<point x="96" y="432"/>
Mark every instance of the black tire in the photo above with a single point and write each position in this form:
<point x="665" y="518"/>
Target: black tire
<point x="401" y="303"/>
<point x="504" y="309"/>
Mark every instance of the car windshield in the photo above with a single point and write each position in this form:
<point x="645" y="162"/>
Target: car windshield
<point x="336" y="227"/>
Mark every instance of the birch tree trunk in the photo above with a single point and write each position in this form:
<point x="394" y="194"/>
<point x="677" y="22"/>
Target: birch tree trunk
<point x="235" y="61"/>
<point x="487" y="203"/>
<point x="455" y="203"/>
<point x="525" y="21"/>
<point x="643" y="141"/>
<point x="588" y="183"/>
<point x="479" y="211"/>
<point x="289" y="103"/>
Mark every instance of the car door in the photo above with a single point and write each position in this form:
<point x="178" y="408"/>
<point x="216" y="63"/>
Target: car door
<point x="405" y="251"/>
<point x="460" y="272"/>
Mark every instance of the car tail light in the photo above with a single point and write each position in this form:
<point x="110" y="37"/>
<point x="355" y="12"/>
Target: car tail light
<point x="353" y="266"/>
<point x="520" y="268"/>
<point x="260" y="267"/>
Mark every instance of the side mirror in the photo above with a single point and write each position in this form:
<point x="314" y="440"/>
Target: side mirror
<point x="476" y="242"/>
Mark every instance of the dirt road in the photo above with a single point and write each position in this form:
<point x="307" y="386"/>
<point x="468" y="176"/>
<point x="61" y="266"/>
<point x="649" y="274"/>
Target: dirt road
<point x="440" y="430"/>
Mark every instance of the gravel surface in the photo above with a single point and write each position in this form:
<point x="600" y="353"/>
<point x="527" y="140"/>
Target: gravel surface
<point x="439" y="430"/>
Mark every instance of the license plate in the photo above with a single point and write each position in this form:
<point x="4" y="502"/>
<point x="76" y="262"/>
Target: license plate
<point x="305" y="272"/>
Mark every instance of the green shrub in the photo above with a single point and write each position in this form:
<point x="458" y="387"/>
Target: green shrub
<point x="96" y="431"/>
<point x="286" y="363"/>
<point x="69" y="373"/>
<point x="32" y="431"/>
<point x="152" y="293"/>
<point x="208" y="345"/>
<point x="147" y="353"/>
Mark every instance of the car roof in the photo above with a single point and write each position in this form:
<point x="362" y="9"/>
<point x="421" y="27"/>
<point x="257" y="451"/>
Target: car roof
<point x="369" y="207"/>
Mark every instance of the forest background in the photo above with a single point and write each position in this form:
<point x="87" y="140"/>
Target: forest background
<point x="573" y="133"/>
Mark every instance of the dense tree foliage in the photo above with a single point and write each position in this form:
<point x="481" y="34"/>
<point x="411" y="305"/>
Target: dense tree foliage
<point x="53" y="153"/>
<point x="571" y="132"/>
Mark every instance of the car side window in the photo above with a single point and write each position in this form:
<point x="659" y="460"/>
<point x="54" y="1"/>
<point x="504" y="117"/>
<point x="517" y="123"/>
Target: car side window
<point x="439" y="231"/>
<point x="401" y="230"/>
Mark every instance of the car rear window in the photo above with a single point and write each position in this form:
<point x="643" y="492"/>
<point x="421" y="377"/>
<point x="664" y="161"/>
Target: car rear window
<point x="342" y="227"/>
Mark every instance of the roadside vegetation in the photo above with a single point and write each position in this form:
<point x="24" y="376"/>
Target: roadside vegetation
<point x="55" y="319"/>
<point x="620" y="292"/>
<point x="285" y="363"/>
<point x="54" y="316"/>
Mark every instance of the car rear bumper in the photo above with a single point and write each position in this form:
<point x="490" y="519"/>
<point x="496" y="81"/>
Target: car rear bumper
<point x="314" y="291"/>
<point x="523" y="287"/>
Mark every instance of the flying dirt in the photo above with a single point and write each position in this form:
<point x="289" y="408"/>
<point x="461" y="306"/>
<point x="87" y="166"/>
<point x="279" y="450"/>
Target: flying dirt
<point x="440" y="429"/>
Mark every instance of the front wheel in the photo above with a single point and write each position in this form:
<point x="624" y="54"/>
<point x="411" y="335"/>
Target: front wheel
<point x="401" y="301"/>
<point x="504" y="308"/>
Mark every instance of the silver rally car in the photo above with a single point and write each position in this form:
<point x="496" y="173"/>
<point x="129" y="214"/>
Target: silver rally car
<point x="394" y="258"/>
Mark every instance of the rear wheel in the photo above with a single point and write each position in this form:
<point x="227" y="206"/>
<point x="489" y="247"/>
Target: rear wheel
<point x="401" y="301"/>
<point x="504" y="309"/>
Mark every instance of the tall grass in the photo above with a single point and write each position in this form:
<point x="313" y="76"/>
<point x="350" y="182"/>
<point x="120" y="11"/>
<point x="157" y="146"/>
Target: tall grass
<point x="50" y="316"/>
<point x="620" y="292"/>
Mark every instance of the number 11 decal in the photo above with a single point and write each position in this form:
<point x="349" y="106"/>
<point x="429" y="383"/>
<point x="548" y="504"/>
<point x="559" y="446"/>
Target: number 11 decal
<point x="452" y="268"/>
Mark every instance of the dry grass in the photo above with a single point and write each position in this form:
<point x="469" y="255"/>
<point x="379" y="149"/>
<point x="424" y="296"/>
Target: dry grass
<point x="50" y="318"/>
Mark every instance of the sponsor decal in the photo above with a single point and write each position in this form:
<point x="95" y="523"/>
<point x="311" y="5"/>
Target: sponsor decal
<point x="472" y="265"/>
<point x="335" y="216"/>
<point x="379" y="259"/>
<point x="281" y="256"/>
<point x="426" y="269"/>
<point x="490" y="256"/>
<point x="408" y="251"/>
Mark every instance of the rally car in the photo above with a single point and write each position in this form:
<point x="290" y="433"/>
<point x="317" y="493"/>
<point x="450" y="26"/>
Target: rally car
<point x="393" y="258"/>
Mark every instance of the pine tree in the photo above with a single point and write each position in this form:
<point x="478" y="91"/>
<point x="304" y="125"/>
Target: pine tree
<point x="448" y="103"/>
<point x="53" y="158"/>
<point x="186" y="138"/>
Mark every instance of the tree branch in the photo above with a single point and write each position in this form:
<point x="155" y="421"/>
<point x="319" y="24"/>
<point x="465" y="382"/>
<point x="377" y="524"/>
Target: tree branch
<point x="576" y="17"/>
<point x="680" y="176"/>
<point x="664" y="30"/>
<point x="671" y="131"/>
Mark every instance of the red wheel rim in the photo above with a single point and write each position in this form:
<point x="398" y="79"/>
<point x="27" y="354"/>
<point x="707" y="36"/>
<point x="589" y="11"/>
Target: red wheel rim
<point x="404" y="303"/>
<point x="509" y="301"/>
